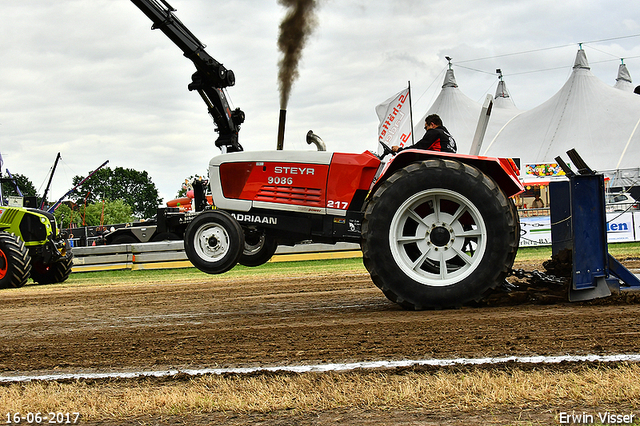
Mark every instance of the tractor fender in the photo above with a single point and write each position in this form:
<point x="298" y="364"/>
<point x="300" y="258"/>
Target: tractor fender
<point x="502" y="170"/>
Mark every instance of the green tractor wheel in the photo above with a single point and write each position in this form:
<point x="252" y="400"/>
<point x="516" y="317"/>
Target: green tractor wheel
<point x="52" y="274"/>
<point x="15" y="262"/>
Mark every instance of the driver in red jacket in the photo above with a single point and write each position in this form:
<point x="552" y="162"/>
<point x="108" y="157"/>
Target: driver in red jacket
<point x="437" y="137"/>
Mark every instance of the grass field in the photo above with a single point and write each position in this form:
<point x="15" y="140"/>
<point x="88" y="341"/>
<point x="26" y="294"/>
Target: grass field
<point x="286" y="269"/>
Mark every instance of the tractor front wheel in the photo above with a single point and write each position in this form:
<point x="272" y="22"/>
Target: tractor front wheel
<point x="52" y="274"/>
<point x="15" y="262"/>
<point x="214" y="241"/>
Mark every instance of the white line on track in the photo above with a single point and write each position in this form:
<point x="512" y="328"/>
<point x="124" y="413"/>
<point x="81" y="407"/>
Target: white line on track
<point x="327" y="367"/>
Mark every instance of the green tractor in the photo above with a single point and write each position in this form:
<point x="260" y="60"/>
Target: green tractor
<point x="32" y="246"/>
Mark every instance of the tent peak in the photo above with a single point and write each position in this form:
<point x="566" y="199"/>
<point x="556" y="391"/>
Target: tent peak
<point x="501" y="90"/>
<point x="581" y="60"/>
<point x="502" y="97"/>
<point x="623" y="73"/>
<point x="449" y="79"/>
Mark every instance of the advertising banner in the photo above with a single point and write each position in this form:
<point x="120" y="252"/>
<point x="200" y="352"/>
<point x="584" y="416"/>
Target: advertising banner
<point x="544" y="169"/>
<point x="535" y="231"/>
<point x="620" y="227"/>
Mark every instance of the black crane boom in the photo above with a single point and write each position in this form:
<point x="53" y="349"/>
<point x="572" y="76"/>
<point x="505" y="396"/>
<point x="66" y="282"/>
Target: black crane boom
<point x="210" y="78"/>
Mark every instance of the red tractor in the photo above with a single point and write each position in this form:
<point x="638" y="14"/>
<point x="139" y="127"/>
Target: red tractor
<point x="436" y="230"/>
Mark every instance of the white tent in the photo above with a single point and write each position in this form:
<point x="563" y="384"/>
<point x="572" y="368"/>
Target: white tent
<point x="587" y="114"/>
<point x="623" y="81"/>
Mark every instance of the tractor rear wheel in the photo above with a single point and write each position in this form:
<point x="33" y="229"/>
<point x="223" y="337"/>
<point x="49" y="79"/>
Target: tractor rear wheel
<point x="15" y="262"/>
<point x="258" y="248"/>
<point x="438" y="234"/>
<point x="214" y="241"/>
<point x="52" y="274"/>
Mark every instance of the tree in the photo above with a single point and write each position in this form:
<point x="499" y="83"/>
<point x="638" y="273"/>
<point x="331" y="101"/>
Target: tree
<point x="25" y="185"/>
<point x="100" y="213"/>
<point x="133" y="187"/>
<point x="114" y="212"/>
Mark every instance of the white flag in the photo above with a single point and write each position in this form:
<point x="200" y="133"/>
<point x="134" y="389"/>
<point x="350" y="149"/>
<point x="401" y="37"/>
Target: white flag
<point x="395" y="123"/>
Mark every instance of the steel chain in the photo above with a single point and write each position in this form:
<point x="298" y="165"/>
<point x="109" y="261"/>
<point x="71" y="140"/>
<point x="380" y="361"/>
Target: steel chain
<point x="537" y="275"/>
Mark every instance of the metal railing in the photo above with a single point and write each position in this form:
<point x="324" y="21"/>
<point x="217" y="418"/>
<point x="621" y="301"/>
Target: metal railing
<point x="170" y="254"/>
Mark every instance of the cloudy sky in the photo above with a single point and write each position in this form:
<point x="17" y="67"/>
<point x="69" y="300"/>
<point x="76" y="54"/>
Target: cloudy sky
<point x="90" y="80"/>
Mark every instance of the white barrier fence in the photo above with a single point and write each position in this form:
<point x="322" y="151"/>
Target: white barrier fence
<point x="170" y="254"/>
<point x="621" y="227"/>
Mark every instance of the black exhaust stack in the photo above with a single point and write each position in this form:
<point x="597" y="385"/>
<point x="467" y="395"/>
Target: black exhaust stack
<point x="283" y="119"/>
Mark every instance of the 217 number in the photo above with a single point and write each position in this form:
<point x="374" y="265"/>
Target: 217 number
<point x="337" y="204"/>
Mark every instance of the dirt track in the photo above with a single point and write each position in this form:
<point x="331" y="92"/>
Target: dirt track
<point x="299" y="320"/>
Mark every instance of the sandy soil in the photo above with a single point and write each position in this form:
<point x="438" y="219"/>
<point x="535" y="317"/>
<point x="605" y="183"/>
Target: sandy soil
<point x="314" y="319"/>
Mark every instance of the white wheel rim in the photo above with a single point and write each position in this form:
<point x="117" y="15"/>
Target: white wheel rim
<point x="438" y="237"/>
<point x="211" y="242"/>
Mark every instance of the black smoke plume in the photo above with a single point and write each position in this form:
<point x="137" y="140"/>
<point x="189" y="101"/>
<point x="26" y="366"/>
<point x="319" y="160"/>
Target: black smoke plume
<point x="295" y="29"/>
